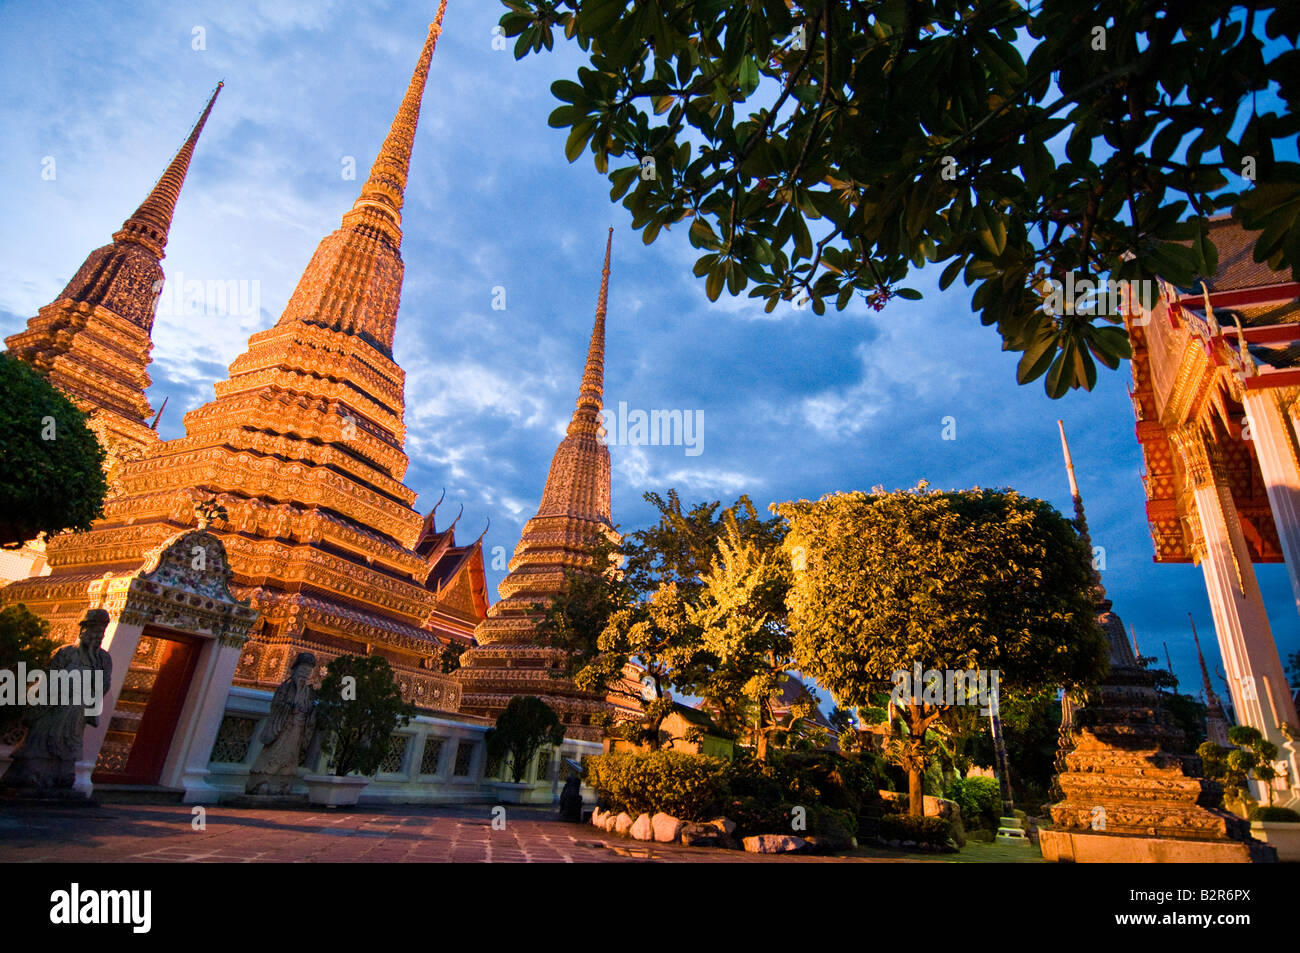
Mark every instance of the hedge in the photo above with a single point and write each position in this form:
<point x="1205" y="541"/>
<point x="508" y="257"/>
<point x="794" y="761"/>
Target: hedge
<point x="924" y="830"/>
<point x="980" y="799"/>
<point x="691" y="787"/>
<point x="1274" y="814"/>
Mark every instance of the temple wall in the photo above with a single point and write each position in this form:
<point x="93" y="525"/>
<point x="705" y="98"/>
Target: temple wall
<point x="413" y="774"/>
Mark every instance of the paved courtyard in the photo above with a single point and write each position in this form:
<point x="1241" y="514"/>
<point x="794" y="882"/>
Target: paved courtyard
<point x="166" y="833"/>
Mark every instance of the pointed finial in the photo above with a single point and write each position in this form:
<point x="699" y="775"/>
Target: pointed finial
<point x="1207" y="687"/>
<point x="151" y="222"/>
<point x="154" y="425"/>
<point x="380" y="202"/>
<point x="591" y="395"/>
<point x="1080" y="520"/>
<point x="484" y="533"/>
<point x="1133" y="634"/>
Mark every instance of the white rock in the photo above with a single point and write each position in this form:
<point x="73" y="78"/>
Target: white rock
<point x="608" y="823"/>
<point x="622" y="823"/>
<point x="774" y="844"/>
<point x="642" y="829"/>
<point x="724" y="824"/>
<point x="666" y="827"/>
<point x="597" y="817"/>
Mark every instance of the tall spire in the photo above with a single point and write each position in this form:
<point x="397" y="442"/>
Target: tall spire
<point x="1121" y="651"/>
<point x="150" y="223"/>
<point x="1080" y="520"/>
<point x="384" y="189"/>
<point x="1216" y="724"/>
<point x="574" y="514"/>
<point x="353" y="283"/>
<point x="591" y="395"/>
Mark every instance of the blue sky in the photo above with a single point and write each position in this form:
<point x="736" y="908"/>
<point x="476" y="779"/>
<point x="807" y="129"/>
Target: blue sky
<point x="794" y="405"/>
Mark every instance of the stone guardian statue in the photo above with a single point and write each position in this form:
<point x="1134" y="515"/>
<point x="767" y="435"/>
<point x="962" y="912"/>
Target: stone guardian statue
<point x="287" y="732"/>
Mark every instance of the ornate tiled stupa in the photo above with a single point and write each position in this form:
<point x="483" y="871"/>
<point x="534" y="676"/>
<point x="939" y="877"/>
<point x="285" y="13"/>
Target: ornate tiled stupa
<point x="93" y="341"/>
<point x="1132" y="793"/>
<point x="303" y="447"/>
<point x="510" y="659"/>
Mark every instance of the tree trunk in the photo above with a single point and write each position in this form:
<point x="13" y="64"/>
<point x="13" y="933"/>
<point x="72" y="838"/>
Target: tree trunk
<point x="916" y="762"/>
<point x="915" y="791"/>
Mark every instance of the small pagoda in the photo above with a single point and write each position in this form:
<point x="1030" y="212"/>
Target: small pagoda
<point x="511" y="659"/>
<point x="1132" y="793"/>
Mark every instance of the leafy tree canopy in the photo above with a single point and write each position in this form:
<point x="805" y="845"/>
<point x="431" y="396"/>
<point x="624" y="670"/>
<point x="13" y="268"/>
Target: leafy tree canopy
<point x="823" y="149"/>
<point x="959" y="580"/>
<point x="357" y="708"/>
<point x="526" y="725"/>
<point x="51" y="464"/>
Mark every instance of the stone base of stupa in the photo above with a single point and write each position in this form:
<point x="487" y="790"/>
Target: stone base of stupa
<point x="1132" y="794"/>
<point x="1073" y="847"/>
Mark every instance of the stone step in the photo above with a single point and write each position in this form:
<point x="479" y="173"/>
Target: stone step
<point x="137" y="794"/>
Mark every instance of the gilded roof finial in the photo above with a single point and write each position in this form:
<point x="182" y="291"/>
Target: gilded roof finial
<point x="383" y="191"/>
<point x="591" y="395"/>
<point x="151" y="222"/>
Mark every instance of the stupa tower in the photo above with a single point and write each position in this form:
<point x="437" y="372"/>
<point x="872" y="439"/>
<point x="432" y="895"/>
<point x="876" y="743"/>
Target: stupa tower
<point x="93" y="341"/>
<point x="303" y="448"/>
<point x="510" y="659"/>
<point x="1216" y="723"/>
<point x="1128" y="789"/>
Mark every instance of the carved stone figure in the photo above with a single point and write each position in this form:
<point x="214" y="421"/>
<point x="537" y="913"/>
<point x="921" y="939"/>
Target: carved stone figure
<point x="287" y="732"/>
<point x="46" y="760"/>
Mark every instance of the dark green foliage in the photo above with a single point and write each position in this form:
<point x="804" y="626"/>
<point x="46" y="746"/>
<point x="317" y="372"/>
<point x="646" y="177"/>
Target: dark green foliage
<point x="1031" y="723"/>
<point x="51" y="464"/>
<point x="690" y="787"/>
<point x="930" y="831"/>
<point x="357" y="709"/>
<point x="449" y="660"/>
<point x="980" y="800"/>
<point x="836" y="793"/>
<point x="24" y="637"/>
<point x="828" y="149"/>
<point x="1275" y="814"/>
<point x="526" y="724"/>
<point x="1252" y="757"/>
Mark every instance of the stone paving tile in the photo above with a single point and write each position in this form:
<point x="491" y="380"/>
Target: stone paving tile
<point x="163" y="834"/>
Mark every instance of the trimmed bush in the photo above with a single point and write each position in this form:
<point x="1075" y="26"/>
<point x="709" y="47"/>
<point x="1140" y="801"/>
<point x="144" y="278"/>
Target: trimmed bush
<point x="930" y="831"/>
<point x="690" y="787"/>
<point x="1274" y="814"/>
<point x="980" y="800"/>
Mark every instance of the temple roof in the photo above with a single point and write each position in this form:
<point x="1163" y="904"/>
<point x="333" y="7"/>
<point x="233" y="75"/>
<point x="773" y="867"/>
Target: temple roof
<point x="1237" y="266"/>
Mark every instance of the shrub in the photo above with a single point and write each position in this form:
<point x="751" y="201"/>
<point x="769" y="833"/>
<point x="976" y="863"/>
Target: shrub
<point x="754" y="815"/>
<point x="521" y="730"/>
<point x="356" y="718"/>
<point x="831" y="822"/>
<point x="691" y="787"/>
<point x="980" y="800"/>
<point x="930" y="831"/>
<point x="1274" y="814"/>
